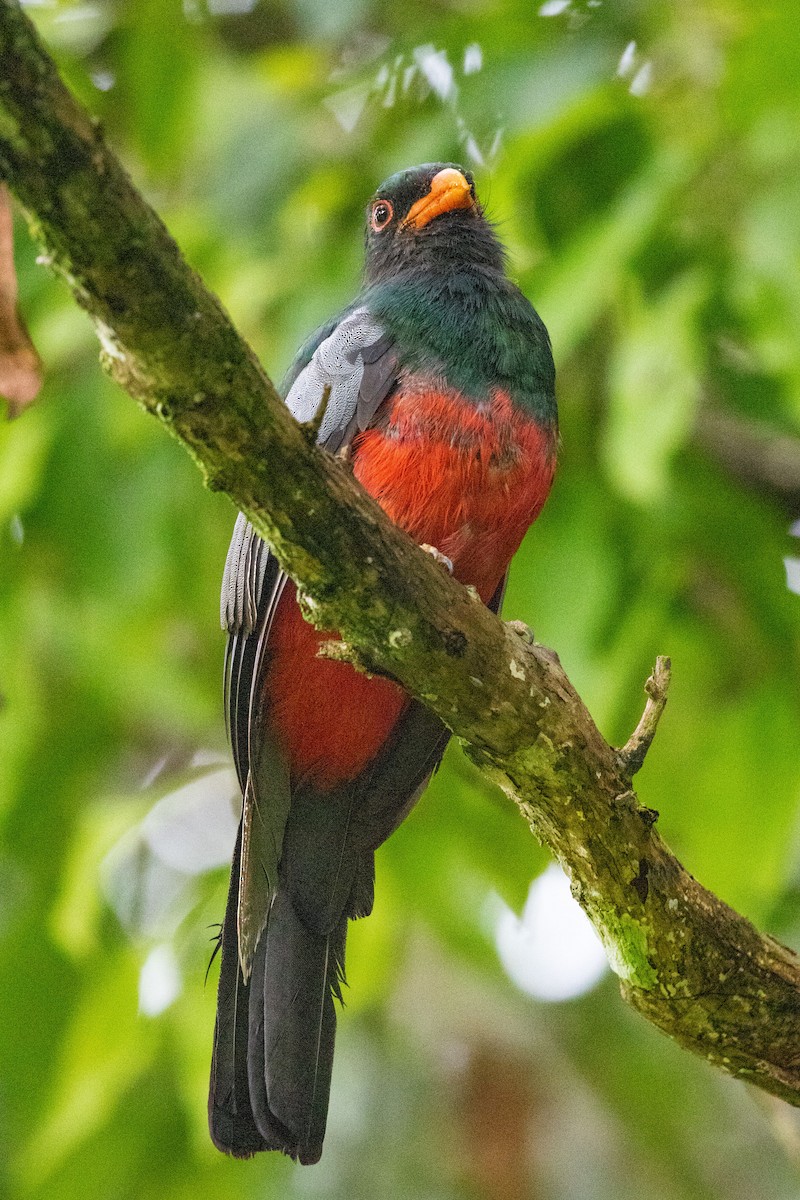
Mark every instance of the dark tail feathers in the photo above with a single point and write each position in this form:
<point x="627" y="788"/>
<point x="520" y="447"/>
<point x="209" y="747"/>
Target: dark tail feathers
<point x="274" y="1036"/>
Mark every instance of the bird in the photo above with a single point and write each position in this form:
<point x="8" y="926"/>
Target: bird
<point x="437" y="385"/>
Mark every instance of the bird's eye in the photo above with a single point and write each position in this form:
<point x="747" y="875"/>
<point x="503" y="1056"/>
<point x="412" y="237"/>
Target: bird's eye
<point x="382" y="213"/>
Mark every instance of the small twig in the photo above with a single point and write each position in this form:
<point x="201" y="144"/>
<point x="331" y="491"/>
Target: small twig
<point x="311" y="428"/>
<point x="632" y="754"/>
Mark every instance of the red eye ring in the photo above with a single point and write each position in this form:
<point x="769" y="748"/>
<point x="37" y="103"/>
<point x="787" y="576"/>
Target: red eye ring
<point x="381" y="215"/>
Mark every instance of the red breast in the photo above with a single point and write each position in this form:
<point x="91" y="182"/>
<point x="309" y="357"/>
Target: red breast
<point x="466" y="478"/>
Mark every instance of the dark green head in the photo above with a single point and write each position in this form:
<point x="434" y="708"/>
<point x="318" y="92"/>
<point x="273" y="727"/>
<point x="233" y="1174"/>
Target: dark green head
<point x="428" y="216"/>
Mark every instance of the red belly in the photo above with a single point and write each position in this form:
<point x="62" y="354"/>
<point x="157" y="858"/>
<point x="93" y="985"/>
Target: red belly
<point x="468" y="480"/>
<point x="330" y="719"/>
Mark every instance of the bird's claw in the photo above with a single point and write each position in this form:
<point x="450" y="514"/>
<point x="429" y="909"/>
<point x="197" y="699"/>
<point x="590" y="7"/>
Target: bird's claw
<point x="438" y="557"/>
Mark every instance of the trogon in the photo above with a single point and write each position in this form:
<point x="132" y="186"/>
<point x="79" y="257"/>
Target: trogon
<point x="439" y="383"/>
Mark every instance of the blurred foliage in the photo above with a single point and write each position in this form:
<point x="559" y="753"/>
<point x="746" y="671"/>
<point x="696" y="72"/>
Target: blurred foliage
<point x="643" y="163"/>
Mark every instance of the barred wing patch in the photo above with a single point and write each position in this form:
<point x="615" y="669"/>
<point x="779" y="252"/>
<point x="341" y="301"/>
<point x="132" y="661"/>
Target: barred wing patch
<point x="345" y="362"/>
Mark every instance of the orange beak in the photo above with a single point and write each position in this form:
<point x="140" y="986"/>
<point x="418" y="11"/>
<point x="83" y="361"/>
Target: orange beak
<point x="449" y="190"/>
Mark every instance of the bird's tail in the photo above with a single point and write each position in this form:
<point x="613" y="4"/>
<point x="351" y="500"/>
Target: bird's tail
<point x="293" y="1026"/>
<point x="274" y="1035"/>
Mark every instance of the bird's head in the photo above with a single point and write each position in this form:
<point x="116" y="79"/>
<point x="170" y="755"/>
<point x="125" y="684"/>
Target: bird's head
<point x="428" y="217"/>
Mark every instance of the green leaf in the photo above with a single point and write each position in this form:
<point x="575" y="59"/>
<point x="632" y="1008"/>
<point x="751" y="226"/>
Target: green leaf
<point x="654" y="385"/>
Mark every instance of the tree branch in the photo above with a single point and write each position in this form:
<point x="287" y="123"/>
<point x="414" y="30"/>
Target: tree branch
<point x="632" y="755"/>
<point x="689" y="963"/>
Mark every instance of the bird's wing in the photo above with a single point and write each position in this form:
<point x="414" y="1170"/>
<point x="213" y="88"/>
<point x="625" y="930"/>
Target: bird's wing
<point x="353" y="364"/>
<point x="356" y="361"/>
<point x="350" y="363"/>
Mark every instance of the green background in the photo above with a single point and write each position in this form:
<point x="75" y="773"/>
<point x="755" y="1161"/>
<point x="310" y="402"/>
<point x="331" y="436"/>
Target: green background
<point x="650" y="202"/>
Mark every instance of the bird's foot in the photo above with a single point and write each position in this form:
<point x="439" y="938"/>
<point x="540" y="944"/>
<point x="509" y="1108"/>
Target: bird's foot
<point x="438" y="557"/>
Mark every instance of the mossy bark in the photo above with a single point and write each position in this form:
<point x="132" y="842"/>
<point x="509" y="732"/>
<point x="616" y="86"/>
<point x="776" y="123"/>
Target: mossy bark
<point x="690" y="964"/>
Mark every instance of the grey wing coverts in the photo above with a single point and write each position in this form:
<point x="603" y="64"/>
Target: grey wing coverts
<point x="342" y="362"/>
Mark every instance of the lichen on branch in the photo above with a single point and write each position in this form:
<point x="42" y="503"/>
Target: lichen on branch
<point x="691" y="965"/>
